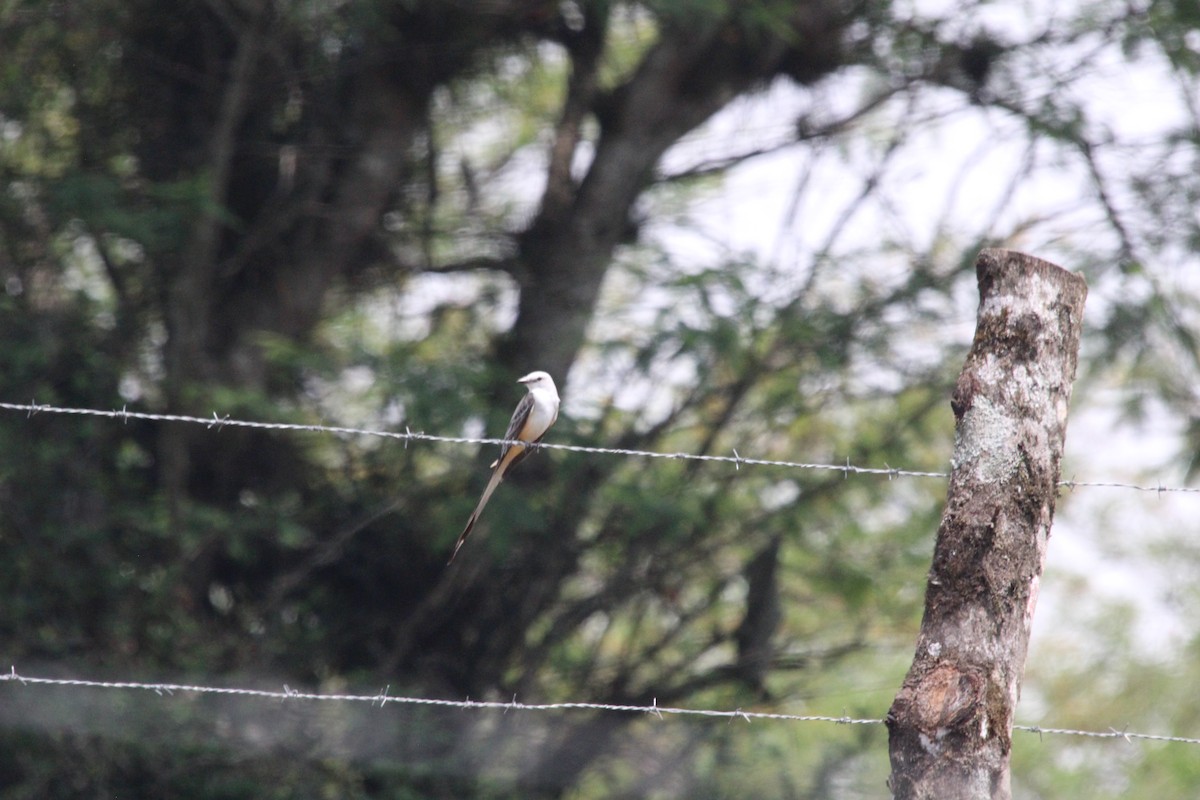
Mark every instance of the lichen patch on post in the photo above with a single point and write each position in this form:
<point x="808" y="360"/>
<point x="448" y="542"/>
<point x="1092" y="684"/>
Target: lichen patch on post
<point x="986" y="440"/>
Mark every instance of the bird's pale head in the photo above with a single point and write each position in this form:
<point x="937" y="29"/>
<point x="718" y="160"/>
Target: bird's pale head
<point x="538" y="379"/>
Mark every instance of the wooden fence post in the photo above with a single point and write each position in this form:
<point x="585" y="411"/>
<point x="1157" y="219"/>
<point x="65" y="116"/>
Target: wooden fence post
<point x="950" y="726"/>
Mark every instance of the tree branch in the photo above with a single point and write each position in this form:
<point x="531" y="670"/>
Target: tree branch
<point x="585" y="49"/>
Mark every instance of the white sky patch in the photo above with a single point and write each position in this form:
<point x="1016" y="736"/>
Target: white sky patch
<point x="1102" y="535"/>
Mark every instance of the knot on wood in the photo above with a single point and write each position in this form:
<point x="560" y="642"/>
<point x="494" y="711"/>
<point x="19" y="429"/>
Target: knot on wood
<point x="946" y="698"/>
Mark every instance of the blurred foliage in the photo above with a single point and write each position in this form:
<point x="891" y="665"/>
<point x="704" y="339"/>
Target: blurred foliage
<point x="189" y="222"/>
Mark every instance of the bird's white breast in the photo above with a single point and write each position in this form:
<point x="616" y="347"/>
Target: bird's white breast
<point x="544" y="412"/>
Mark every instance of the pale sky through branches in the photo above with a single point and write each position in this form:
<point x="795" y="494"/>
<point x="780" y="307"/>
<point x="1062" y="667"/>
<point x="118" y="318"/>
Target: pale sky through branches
<point x="940" y="172"/>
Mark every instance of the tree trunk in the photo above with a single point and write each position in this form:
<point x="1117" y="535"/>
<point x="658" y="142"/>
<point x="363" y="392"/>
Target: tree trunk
<point x="950" y="726"/>
<point x="692" y="72"/>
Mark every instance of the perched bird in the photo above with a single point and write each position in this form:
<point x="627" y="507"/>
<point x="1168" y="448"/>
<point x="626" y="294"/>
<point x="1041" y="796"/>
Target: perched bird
<point x="534" y="415"/>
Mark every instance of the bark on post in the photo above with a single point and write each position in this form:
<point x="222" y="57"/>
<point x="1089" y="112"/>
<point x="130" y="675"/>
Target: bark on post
<point x="950" y="726"/>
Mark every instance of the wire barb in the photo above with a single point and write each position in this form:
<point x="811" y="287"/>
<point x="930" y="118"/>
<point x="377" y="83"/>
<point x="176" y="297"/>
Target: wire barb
<point x="654" y="708"/>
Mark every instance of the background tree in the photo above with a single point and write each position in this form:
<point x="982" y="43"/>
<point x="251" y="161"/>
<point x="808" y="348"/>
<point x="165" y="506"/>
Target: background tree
<point x="381" y="213"/>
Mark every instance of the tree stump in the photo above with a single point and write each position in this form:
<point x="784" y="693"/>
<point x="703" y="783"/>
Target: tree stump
<point x="950" y="726"/>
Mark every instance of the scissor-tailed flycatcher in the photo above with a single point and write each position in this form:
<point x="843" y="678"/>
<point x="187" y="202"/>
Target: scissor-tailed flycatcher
<point x="534" y="415"/>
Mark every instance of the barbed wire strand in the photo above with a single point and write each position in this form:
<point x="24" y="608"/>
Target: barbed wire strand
<point x="384" y="698"/>
<point x="848" y="469"/>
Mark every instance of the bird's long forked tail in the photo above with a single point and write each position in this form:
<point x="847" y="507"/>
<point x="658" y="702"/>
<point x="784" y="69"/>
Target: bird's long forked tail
<point x="497" y="477"/>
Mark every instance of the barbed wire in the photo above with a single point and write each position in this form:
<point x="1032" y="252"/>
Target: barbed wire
<point x="383" y="698"/>
<point x="408" y="435"/>
<point x="847" y="469"/>
<point x="1111" y="733"/>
